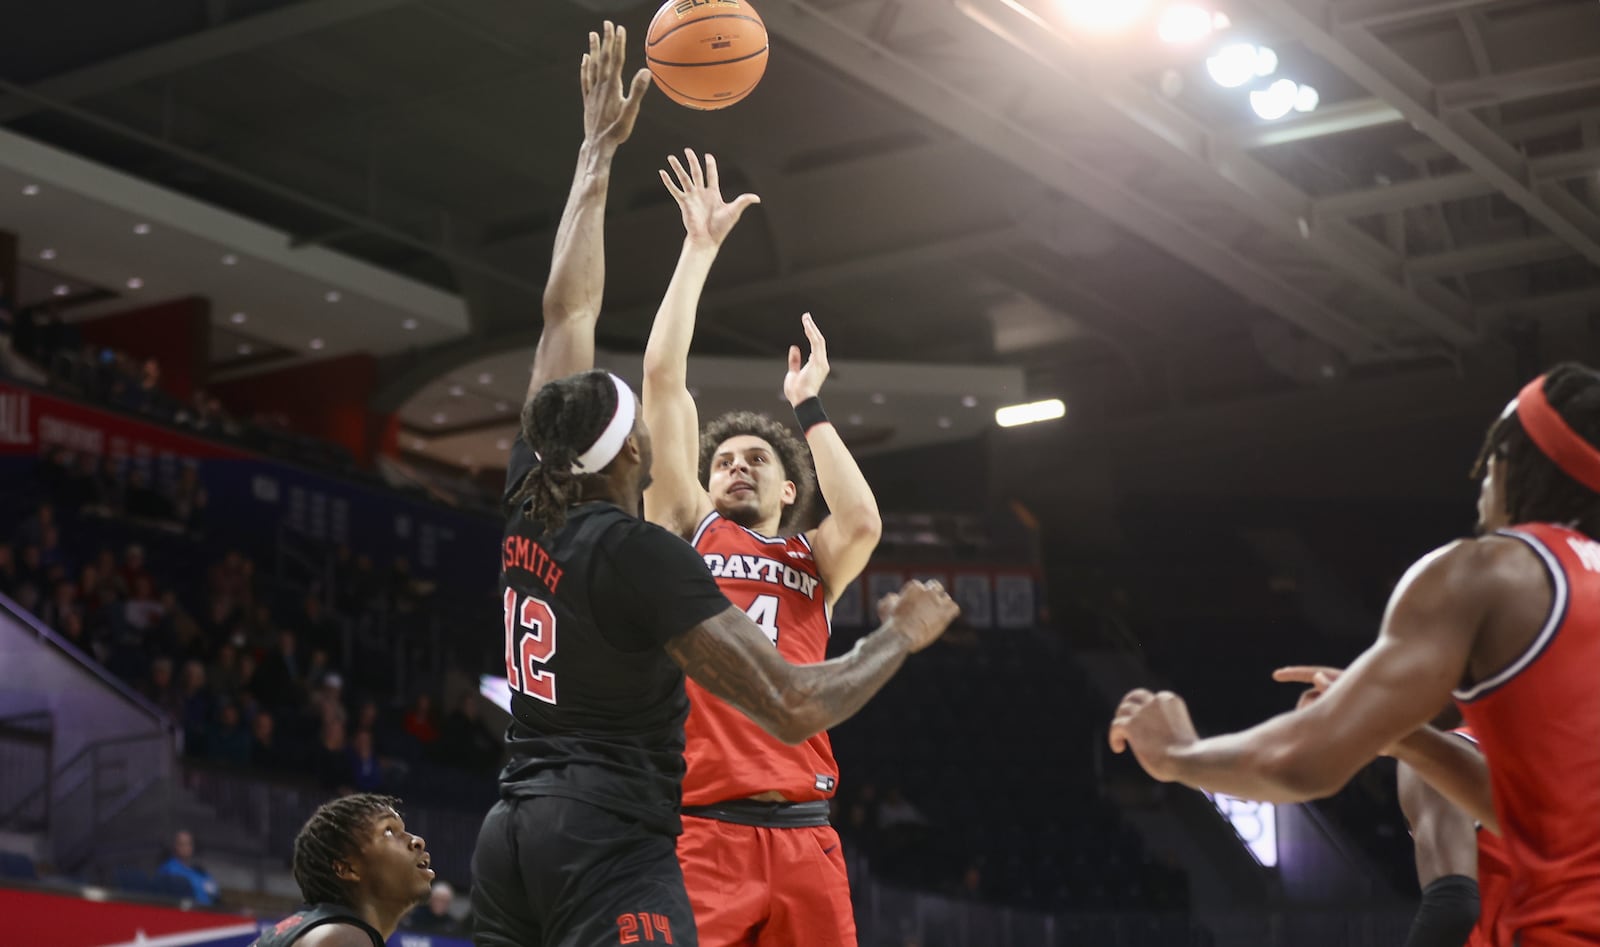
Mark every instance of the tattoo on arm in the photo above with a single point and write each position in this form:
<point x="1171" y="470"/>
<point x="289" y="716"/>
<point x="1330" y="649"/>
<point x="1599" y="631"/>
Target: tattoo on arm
<point x="730" y="657"/>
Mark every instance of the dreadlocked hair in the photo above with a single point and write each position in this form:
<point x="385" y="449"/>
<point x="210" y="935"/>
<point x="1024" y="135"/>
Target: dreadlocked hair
<point x="559" y="423"/>
<point x="332" y="834"/>
<point x="792" y="453"/>
<point x="1537" y="491"/>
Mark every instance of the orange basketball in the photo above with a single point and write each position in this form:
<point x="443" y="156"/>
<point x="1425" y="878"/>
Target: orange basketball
<point x="706" y="54"/>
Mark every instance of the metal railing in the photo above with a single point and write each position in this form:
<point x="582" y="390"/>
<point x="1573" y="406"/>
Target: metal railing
<point x="26" y="762"/>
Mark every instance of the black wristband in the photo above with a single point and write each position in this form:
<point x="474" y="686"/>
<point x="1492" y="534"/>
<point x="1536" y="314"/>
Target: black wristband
<point x="1447" y="914"/>
<point x="810" y="414"/>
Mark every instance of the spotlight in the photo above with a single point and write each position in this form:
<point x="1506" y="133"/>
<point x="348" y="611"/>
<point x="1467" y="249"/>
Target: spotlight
<point x="30" y="190"/>
<point x="135" y="282"/>
<point x="503" y="444"/>
<point x="944" y="423"/>
<point x="1276" y="100"/>
<point x="969" y="401"/>
<point x="1306" y="99"/>
<point x="484" y="378"/>
<point x="47" y="254"/>
<point x="1184" y="23"/>
<point x="316" y="344"/>
<point x="238" y="318"/>
<point x="62" y="290"/>
<point x="1102" y="16"/>
<point x="230" y="260"/>
<point x="332" y="296"/>
<point x="1033" y="411"/>
<point x="409" y="325"/>
<point x="457" y="391"/>
<point x="141" y="229"/>
<point x="1238" y="63"/>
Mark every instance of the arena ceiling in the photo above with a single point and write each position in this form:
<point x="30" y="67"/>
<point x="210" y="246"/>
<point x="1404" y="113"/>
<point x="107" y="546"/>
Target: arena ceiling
<point x="943" y="181"/>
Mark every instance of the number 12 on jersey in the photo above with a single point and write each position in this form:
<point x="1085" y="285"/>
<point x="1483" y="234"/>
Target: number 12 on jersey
<point x="764" y="612"/>
<point x="535" y="645"/>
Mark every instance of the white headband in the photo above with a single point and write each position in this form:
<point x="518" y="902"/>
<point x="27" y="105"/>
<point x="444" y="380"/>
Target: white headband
<point x="606" y="447"/>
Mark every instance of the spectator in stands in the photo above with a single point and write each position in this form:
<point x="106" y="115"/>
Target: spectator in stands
<point x="143" y="610"/>
<point x="8" y="569"/>
<point x="71" y="628"/>
<point x="277" y="680"/>
<point x="318" y="629"/>
<point x="31" y="532"/>
<point x="62" y="604"/>
<point x="327" y="701"/>
<point x="160" y="690"/>
<point x="51" y="554"/>
<point x="228" y="741"/>
<point x="110" y="575"/>
<point x="420" y="722"/>
<point x="222" y="676"/>
<point x="466" y="742"/>
<point x="133" y="565"/>
<point x="189" y="498"/>
<point x="196" y="702"/>
<point x="265" y="753"/>
<point x="182" y="865"/>
<point x="366" y="771"/>
<point x="330" y="763"/>
<point x="143" y="500"/>
<point x="433" y="917"/>
<point x="896" y="811"/>
<point x="106" y="489"/>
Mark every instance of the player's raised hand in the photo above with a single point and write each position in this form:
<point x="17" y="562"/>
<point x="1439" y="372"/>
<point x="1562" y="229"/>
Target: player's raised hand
<point x="920" y="611"/>
<point x="1153" y="726"/>
<point x="707" y="218"/>
<point x="1318" y="677"/>
<point x="805" y="380"/>
<point x="608" y="114"/>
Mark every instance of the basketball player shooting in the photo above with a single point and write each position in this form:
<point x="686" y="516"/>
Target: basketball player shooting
<point x="761" y="862"/>
<point x="359" y="872"/>
<point x="1509" y="624"/>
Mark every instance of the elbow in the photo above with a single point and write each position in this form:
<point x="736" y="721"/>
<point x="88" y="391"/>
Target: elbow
<point x="863" y="525"/>
<point x="794" y="721"/>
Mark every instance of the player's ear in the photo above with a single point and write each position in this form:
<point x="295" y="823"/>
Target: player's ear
<point x="790" y="493"/>
<point x="345" y="871"/>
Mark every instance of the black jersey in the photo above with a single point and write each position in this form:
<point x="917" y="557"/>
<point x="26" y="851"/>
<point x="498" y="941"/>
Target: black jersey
<point x="597" y="705"/>
<point x="289" y="930"/>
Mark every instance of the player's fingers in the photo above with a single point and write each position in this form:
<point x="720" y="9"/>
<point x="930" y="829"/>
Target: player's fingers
<point x="794" y="358"/>
<point x="819" y="344"/>
<point x="1296" y="674"/>
<point x="671" y="188"/>
<point x="639" y="86"/>
<point x="594" y="46"/>
<point x="742" y="203"/>
<point x="608" y="44"/>
<point x="712" y="181"/>
<point x="1138" y="696"/>
<point x="1117" y="736"/>
<point x="694" y="168"/>
<point x="684" y="181"/>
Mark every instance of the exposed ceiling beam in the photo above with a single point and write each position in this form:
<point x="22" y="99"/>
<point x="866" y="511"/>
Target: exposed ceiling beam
<point x="1548" y="304"/>
<point x="1487" y="256"/>
<point x="208" y="45"/>
<point x="1376" y="67"/>
<point x="1503" y="87"/>
<point x="1336" y="119"/>
<point x="1451" y="187"/>
<point x="1375" y="13"/>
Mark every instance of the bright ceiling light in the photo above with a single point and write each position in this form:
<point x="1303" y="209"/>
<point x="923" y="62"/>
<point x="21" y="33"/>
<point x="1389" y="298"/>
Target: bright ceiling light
<point x="1033" y="411"/>
<point x="230" y="260"/>
<point x="30" y="189"/>
<point x="855" y="419"/>
<point x="238" y="318"/>
<point x="135" y="282"/>
<point x="47" y="254"/>
<point x="878" y="398"/>
<point x="944" y="423"/>
<point x="1306" y="99"/>
<point x="1102" y="16"/>
<point x="1184" y="23"/>
<point x="332" y="296"/>
<point x="1236" y="64"/>
<point x="484" y="378"/>
<point x="1275" y="101"/>
<point x="503" y="443"/>
<point x="317" y="344"/>
<point x="501" y="407"/>
<point x="409" y="325"/>
<point x="969" y="401"/>
<point x="141" y="229"/>
<point x="62" y="290"/>
<point x="457" y="391"/>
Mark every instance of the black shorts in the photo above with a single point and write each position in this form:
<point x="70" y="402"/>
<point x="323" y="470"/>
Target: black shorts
<point x="553" y="872"/>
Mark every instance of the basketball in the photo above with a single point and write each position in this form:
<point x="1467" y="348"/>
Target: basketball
<point x="706" y="54"/>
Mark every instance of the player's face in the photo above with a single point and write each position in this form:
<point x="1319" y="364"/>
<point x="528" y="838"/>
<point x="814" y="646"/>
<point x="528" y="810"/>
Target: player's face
<point x="1492" y="513"/>
<point x="747" y="483"/>
<point x="393" y="863"/>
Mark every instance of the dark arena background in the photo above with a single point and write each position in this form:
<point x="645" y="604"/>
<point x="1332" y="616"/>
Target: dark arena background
<point x="1255" y="274"/>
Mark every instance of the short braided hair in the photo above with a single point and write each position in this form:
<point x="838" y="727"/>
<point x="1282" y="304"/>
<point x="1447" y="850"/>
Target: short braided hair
<point x="332" y="834"/>
<point x="559" y="422"/>
<point x="1537" y="491"/>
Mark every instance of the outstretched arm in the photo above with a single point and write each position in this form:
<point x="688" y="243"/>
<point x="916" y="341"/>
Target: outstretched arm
<point x="844" y="542"/>
<point x="1395" y="687"/>
<point x="1454" y="768"/>
<point x="573" y="292"/>
<point x="733" y="659"/>
<point x="676" y="500"/>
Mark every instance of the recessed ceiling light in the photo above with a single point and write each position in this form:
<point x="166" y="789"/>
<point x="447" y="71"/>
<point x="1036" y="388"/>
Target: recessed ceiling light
<point x="238" y="318"/>
<point x="135" y="282"/>
<point x="501" y="407"/>
<point x="503" y="443"/>
<point x="855" y="419"/>
<point x="969" y="401"/>
<point x="878" y="398"/>
<point x="30" y="189"/>
<point x="944" y="422"/>
<point x="141" y="229"/>
<point x="47" y="254"/>
<point x="317" y="343"/>
<point x="230" y="260"/>
<point x="484" y="378"/>
<point x="62" y="290"/>
<point x="440" y="417"/>
<point x="244" y="348"/>
<point x="409" y="324"/>
<point x="332" y="296"/>
<point x="457" y="391"/>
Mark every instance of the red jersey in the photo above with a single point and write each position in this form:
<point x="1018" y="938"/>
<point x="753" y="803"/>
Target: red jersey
<point x="1494" y="876"/>
<point x="775" y="580"/>
<point x="1538" y="722"/>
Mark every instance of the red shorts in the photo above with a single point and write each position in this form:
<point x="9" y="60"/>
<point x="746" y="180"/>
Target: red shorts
<point x="766" y="887"/>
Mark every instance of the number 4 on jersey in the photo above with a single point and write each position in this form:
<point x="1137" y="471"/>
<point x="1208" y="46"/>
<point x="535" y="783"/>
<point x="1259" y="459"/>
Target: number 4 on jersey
<point x="764" y="612"/>
<point x="535" y="646"/>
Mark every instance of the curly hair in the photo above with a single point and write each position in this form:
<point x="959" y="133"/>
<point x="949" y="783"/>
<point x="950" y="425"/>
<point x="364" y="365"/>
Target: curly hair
<point x="1537" y="491"/>
<point x="560" y="422"/>
<point x="333" y="833"/>
<point x="793" y="455"/>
